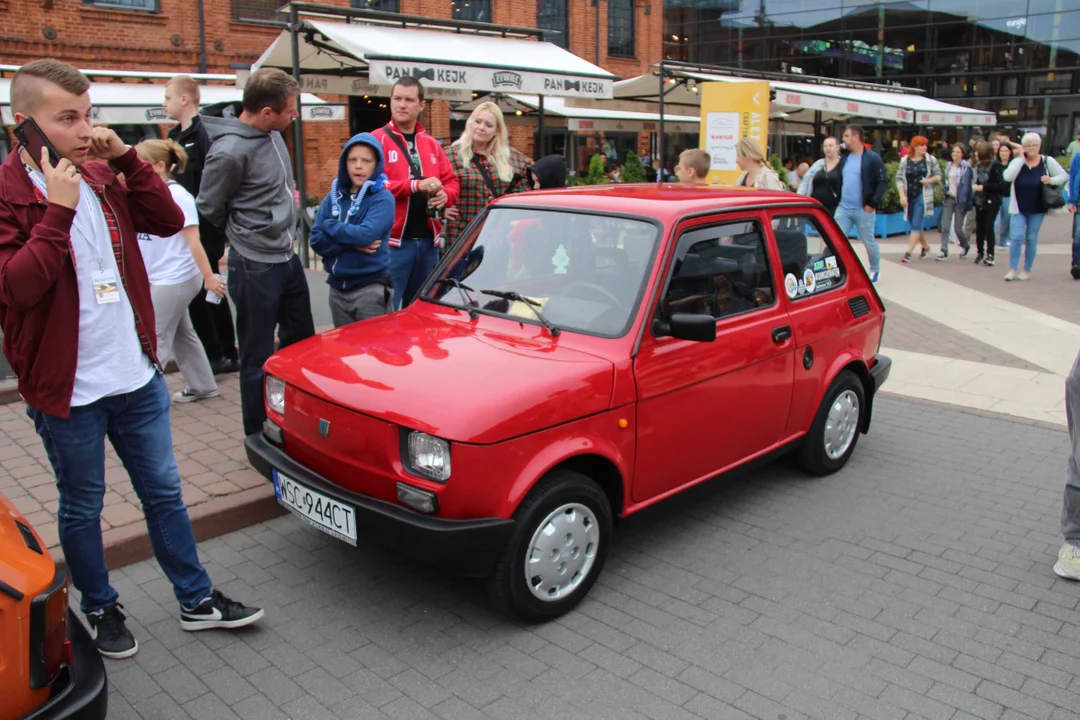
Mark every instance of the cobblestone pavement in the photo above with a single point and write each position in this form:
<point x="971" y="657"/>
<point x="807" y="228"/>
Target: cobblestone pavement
<point x="908" y="330"/>
<point x="915" y="583"/>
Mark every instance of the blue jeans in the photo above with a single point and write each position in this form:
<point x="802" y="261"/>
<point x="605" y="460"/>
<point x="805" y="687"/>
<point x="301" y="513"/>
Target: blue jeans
<point x="267" y="296"/>
<point x="1076" y="239"/>
<point x="137" y="425"/>
<point x="1025" y="236"/>
<point x="864" y="222"/>
<point x="410" y="265"/>
<point x="1003" y="222"/>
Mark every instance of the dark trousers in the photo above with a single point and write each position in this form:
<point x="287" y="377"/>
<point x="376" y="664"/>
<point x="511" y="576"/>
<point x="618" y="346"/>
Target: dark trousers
<point x="984" y="229"/>
<point x="268" y="296"/>
<point x="213" y="323"/>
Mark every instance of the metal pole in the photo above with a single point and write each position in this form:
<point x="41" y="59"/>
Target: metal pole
<point x="540" y="130"/>
<point x="298" y="127"/>
<point x="660" y="140"/>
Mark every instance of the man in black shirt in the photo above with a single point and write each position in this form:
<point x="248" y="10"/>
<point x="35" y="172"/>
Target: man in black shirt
<point x="213" y="323"/>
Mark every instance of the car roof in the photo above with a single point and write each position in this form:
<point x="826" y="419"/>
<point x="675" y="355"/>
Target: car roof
<point x="670" y="201"/>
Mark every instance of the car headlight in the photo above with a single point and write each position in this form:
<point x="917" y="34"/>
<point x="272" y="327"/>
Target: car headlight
<point x="275" y="394"/>
<point x="429" y="456"/>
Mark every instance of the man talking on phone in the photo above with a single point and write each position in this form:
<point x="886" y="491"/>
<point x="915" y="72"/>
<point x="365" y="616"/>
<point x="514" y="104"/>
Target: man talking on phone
<point x="78" y="327"/>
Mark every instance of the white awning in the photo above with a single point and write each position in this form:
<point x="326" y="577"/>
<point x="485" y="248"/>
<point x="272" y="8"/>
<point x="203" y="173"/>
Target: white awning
<point x="140" y="103"/>
<point x="558" y="114"/>
<point x="450" y="64"/>
<point x="802" y="100"/>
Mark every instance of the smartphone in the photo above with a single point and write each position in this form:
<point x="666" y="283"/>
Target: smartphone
<point x="33" y="139"/>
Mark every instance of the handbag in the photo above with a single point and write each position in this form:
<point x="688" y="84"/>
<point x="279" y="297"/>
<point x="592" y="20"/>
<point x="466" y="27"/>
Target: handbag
<point x="1052" y="197"/>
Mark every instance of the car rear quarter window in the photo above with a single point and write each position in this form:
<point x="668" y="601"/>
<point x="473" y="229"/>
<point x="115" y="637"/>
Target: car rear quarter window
<point x="721" y="270"/>
<point x="808" y="260"/>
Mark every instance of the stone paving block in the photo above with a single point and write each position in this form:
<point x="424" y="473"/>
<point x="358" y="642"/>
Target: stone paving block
<point x="258" y="708"/>
<point x="229" y="685"/>
<point x="207" y="707"/>
<point x="160" y="706"/>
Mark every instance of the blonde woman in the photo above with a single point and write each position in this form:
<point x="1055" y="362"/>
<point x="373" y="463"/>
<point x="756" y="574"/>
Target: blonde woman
<point x="485" y="164"/>
<point x="756" y="172"/>
<point x="178" y="270"/>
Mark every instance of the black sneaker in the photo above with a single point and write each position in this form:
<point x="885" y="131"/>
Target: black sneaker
<point x="979" y="259"/>
<point x="989" y="260"/>
<point x="924" y="253"/>
<point x="1075" y="272"/>
<point x="942" y="256"/>
<point x="225" y="365"/>
<point x="113" y="639"/>
<point x="218" y="611"/>
<point x="964" y="252"/>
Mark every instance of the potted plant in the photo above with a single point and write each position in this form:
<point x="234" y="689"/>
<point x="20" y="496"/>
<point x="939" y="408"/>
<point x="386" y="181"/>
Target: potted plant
<point x="633" y="171"/>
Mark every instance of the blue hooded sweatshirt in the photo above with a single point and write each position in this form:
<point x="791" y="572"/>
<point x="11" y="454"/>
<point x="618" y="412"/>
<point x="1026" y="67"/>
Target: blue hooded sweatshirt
<point x="348" y="222"/>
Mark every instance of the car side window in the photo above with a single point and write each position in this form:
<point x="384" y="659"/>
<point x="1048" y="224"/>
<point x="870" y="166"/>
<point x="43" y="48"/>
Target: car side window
<point x="808" y="259"/>
<point x="721" y="270"/>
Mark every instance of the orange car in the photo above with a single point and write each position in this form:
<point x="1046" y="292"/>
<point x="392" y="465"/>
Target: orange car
<point x="49" y="667"/>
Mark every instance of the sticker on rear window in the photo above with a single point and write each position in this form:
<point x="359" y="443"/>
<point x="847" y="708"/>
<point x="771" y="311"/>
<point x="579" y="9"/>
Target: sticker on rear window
<point x="791" y="285"/>
<point x="809" y="280"/>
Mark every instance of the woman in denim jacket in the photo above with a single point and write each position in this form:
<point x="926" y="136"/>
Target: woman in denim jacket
<point x="959" y="198"/>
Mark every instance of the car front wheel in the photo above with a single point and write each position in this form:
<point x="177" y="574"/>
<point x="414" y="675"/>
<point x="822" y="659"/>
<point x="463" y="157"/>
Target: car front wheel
<point x="835" y="432"/>
<point x="557" y="550"/>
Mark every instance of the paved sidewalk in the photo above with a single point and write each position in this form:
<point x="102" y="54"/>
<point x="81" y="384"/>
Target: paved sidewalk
<point x="916" y="583"/>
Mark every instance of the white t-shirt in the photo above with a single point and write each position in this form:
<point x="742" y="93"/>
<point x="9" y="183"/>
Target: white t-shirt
<point x="169" y="260"/>
<point x="111" y="360"/>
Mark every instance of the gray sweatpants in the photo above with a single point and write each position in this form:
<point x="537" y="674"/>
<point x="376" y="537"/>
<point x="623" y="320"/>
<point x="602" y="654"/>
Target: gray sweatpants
<point x="175" y="336"/>
<point x="952" y="214"/>
<point x="360" y="304"/>
<point x="1070" y="508"/>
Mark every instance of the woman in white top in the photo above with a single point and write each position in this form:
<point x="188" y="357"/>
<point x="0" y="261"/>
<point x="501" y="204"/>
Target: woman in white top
<point x="179" y="270"/>
<point x="756" y="172"/>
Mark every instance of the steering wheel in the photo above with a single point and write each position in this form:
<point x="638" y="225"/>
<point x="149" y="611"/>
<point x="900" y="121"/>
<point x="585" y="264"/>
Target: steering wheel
<point x="599" y="289"/>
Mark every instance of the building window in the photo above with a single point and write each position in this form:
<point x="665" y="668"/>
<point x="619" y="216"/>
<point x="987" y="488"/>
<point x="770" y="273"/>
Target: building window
<point x="147" y="5"/>
<point x="477" y="10"/>
<point x="551" y="15"/>
<point x="383" y="5"/>
<point x="255" y="10"/>
<point x="620" y="28"/>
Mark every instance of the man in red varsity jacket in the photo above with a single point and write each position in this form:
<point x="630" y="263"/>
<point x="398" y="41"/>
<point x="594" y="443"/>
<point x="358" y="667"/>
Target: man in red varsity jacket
<point x="424" y="185"/>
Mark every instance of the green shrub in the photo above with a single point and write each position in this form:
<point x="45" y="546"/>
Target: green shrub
<point x="778" y="165"/>
<point x="632" y="170"/>
<point x="596" y="175"/>
<point x="890" y="201"/>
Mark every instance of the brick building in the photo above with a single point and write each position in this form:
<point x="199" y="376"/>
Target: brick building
<point x="170" y="36"/>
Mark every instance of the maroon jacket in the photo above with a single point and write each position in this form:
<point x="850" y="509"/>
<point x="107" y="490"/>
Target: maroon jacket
<point x="39" y="294"/>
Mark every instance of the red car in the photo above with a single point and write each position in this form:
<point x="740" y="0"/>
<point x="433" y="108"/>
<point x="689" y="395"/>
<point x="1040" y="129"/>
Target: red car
<point x="580" y="355"/>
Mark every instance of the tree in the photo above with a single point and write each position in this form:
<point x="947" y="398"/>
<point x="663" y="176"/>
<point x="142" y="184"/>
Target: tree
<point x="633" y="171"/>
<point x="596" y="175"/>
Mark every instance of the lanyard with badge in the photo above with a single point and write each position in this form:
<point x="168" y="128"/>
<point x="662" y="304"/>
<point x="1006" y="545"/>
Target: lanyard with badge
<point x="106" y="290"/>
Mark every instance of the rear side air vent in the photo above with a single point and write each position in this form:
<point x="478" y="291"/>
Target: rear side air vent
<point x="28" y="537"/>
<point x="859" y="306"/>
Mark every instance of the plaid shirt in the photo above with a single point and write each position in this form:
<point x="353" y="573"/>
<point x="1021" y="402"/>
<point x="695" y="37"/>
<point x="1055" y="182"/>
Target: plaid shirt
<point x="475" y="194"/>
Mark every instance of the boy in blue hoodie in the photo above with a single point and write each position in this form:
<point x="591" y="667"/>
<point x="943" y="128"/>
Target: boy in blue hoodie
<point x="351" y="233"/>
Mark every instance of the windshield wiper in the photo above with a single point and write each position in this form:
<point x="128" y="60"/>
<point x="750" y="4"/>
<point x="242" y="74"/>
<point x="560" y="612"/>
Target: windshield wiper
<point x="470" y="304"/>
<point x="532" y="304"/>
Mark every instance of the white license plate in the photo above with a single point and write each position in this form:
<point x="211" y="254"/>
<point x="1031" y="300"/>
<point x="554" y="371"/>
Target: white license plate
<point x="321" y="512"/>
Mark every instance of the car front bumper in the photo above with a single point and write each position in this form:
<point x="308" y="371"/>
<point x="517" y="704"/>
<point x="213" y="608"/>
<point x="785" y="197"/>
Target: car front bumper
<point x="86" y="695"/>
<point x="465" y="547"/>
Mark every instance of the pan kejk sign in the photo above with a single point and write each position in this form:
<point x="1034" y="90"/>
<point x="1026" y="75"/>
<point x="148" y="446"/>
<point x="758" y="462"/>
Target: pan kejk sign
<point x="387" y="72"/>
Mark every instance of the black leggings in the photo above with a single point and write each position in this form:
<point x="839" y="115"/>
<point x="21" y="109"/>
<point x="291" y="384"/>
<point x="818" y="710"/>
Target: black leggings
<point x="984" y="228"/>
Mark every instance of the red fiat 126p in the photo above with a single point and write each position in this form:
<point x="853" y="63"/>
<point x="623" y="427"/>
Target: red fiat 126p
<point x="579" y="355"/>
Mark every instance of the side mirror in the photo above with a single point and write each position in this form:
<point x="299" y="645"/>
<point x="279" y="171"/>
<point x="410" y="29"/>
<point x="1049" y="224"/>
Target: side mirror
<point x="687" y="326"/>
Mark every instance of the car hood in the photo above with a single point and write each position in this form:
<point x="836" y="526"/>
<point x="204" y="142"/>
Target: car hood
<point x="466" y="382"/>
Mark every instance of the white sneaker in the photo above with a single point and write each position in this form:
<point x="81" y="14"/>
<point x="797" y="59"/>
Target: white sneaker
<point x="1068" y="562"/>
<point x="1023" y="276"/>
<point x="1010" y="276"/>
<point x="187" y="395"/>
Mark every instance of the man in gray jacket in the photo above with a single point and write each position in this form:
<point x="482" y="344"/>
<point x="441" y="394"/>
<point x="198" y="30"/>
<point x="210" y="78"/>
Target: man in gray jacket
<point x="247" y="188"/>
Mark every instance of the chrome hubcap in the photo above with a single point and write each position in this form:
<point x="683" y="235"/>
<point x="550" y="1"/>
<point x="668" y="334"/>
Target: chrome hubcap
<point x="841" y="424"/>
<point x="562" y="552"/>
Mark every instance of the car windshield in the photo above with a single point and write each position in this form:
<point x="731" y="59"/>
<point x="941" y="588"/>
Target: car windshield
<point x="582" y="272"/>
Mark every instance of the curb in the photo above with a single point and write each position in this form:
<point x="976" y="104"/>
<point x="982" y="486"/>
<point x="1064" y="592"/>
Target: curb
<point x="9" y="392"/>
<point x="131" y="543"/>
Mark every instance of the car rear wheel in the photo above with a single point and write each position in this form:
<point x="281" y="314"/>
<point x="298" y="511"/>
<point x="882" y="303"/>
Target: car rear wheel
<point x="835" y="432"/>
<point x="562" y="530"/>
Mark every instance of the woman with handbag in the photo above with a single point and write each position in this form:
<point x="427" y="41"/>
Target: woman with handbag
<point x="822" y="181"/>
<point x="486" y="166"/>
<point x="919" y="171"/>
<point x="1036" y="188"/>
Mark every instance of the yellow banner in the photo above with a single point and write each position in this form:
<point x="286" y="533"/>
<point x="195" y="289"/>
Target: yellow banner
<point x="731" y="111"/>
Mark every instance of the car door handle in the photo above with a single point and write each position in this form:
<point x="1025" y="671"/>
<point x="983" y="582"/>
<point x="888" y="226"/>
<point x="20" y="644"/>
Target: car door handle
<point x="781" y="334"/>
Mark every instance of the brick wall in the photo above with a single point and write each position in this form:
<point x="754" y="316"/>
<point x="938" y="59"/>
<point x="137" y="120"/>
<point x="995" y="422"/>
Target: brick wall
<point x="168" y="41"/>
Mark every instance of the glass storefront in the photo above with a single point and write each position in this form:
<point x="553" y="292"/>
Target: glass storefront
<point x="1019" y="59"/>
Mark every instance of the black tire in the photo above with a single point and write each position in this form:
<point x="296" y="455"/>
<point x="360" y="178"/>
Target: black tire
<point x="813" y="456"/>
<point x="507" y="584"/>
